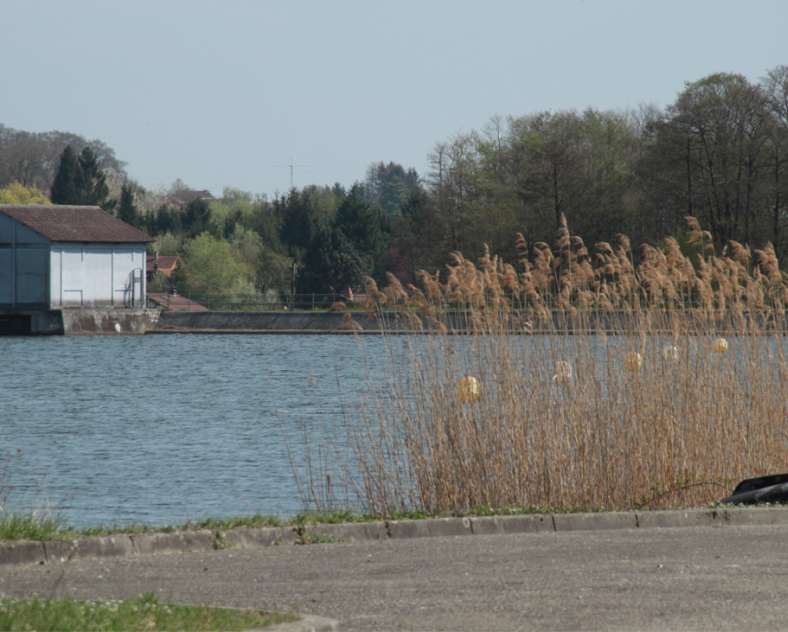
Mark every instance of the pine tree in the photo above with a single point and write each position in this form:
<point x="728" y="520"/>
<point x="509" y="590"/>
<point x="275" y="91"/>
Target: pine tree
<point x="67" y="187"/>
<point x="93" y="184"/>
<point x="362" y="224"/>
<point x="79" y="180"/>
<point x="127" y="211"/>
<point x="332" y="263"/>
<point x="196" y="219"/>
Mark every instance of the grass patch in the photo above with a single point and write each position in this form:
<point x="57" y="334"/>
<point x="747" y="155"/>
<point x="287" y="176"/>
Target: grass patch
<point x="32" y="527"/>
<point x="15" y="526"/>
<point x="143" y="613"/>
<point x="28" y="527"/>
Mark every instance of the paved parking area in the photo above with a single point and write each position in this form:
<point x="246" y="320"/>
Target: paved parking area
<point x="644" y="579"/>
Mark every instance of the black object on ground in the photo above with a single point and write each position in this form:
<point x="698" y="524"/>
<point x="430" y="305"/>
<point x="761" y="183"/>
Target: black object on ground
<point x="764" y="489"/>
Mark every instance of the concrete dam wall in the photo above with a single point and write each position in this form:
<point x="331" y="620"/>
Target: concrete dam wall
<point x="78" y="321"/>
<point x="272" y="322"/>
<point x="451" y="322"/>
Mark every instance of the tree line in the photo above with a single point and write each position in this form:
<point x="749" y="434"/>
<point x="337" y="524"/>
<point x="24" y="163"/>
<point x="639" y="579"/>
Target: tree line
<point x="719" y="152"/>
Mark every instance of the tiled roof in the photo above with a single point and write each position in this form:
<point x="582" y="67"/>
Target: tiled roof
<point x="75" y="224"/>
<point x="165" y="264"/>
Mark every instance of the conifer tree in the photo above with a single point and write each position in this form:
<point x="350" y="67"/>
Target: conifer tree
<point x="94" y="189"/>
<point x="127" y="211"/>
<point x="79" y="180"/>
<point x="66" y="189"/>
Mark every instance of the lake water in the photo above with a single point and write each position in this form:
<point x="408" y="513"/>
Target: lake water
<point x="163" y="429"/>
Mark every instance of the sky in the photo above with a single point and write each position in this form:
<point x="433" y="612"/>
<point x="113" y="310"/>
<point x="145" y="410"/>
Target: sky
<point x="229" y="92"/>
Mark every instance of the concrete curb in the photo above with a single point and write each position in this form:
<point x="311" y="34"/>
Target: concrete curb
<point x="307" y="623"/>
<point x="27" y="552"/>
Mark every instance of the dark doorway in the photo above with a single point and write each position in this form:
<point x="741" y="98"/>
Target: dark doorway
<point x="15" y="324"/>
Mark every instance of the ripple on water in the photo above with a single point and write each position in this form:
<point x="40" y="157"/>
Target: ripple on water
<point x="167" y="428"/>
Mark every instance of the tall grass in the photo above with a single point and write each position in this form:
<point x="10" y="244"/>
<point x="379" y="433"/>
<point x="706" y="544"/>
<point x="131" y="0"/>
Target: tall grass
<point x="643" y="407"/>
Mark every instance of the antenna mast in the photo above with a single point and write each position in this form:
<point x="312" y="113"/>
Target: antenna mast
<point x="292" y="166"/>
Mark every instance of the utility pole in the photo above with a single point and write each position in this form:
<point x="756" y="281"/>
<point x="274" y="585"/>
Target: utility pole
<point x="292" y="166"/>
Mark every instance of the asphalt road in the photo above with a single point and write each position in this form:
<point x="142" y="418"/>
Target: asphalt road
<point x="646" y="579"/>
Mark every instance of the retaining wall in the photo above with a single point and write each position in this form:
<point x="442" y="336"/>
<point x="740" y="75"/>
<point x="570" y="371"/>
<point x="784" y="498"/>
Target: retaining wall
<point x="453" y="322"/>
<point x="326" y="322"/>
<point x="85" y="321"/>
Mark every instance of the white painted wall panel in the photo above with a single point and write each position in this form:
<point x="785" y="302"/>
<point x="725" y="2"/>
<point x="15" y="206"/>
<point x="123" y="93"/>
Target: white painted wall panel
<point x="100" y="274"/>
<point x="55" y="287"/>
<point x="97" y="275"/>
<point x="71" y="275"/>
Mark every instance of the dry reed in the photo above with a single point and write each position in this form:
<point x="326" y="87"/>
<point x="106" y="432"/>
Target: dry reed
<point x="643" y="410"/>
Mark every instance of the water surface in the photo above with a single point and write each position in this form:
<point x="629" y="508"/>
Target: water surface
<point x="162" y="429"/>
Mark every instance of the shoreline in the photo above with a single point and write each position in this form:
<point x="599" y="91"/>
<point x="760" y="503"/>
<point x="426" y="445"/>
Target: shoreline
<point x="240" y="536"/>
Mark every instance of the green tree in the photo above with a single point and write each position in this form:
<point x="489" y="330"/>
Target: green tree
<point x="388" y="186"/>
<point x="197" y="218"/>
<point x="208" y="271"/>
<point x="417" y="239"/>
<point x="776" y="88"/>
<point x="274" y="272"/>
<point x="92" y="181"/>
<point x="167" y="244"/>
<point x="67" y="187"/>
<point x="80" y="180"/>
<point x="301" y="212"/>
<point x="32" y="158"/>
<point x="127" y="210"/>
<point x="719" y="125"/>
<point x="166" y="220"/>
<point x="361" y="224"/>
<point x="331" y="263"/>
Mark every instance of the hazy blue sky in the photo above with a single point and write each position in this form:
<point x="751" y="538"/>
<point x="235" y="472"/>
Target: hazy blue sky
<point x="220" y="92"/>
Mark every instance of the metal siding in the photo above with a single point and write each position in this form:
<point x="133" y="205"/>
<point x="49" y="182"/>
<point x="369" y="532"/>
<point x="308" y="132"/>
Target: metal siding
<point x="6" y="275"/>
<point x="26" y="236"/>
<point x="72" y="288"/>
<point x="129" y="274"/>
<point x="97" y="275"/>
<point x="120" y="276"/>
<point x="31" y="275"/>
<point x="6" y="230"/>
<point x="55" y="269"/>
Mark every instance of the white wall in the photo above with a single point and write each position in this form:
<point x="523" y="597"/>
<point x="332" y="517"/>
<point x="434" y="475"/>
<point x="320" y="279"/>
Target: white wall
<point x="97" y="274"/>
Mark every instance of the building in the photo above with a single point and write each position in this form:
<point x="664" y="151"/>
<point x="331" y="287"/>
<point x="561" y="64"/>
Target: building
<point x="181" y="198"/>
<point x="55" y="257"/>
<point x="165" y="264"/>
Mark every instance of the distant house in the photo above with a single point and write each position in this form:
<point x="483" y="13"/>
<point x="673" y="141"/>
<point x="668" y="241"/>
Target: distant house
<point x="69" y="256"/>
<point x="183" y="197"/>
<point x="165" y="264"/>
